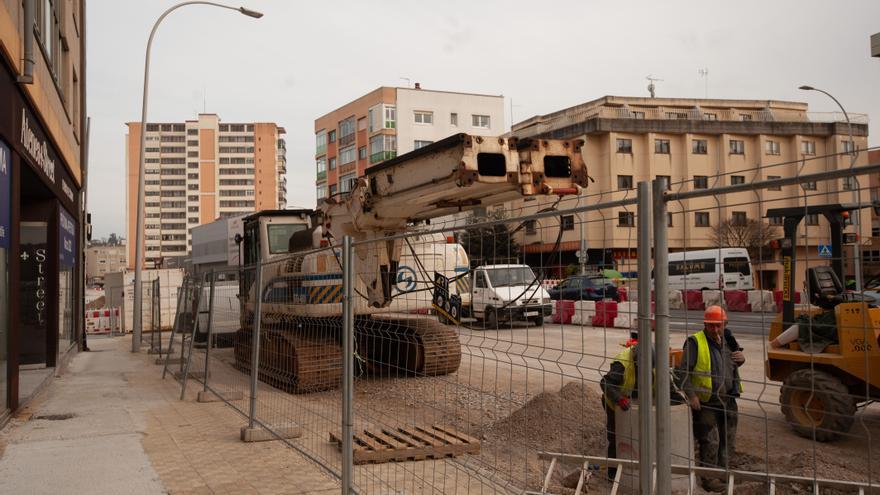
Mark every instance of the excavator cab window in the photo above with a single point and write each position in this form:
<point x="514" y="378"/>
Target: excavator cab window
<point x="251" y="242"/>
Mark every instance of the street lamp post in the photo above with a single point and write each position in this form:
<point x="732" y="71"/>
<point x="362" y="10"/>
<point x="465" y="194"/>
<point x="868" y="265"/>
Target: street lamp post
<point x="857" y="248"/>
<point x="139" y="231"/>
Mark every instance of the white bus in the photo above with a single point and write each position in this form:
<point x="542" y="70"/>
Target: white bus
<point x="724" y="268"/>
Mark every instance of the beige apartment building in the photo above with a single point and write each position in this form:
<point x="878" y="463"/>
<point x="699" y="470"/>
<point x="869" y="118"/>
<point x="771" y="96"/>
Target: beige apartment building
<point x="102" y="259"/>
<point x="390" y="121"/>
<point x="196" y="172"/>
<point x="696" y="143"/>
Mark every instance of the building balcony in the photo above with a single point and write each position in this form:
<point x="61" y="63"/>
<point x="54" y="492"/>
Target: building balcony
<point x="381" y="156"/>
<point x="320" y="150"/>
<point x="346" y="140"/>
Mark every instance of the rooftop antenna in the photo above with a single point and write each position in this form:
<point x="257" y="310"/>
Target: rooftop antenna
<point x="651" y="86"/>
<point x="408" y="84"/>
<point x="704" y="73"/>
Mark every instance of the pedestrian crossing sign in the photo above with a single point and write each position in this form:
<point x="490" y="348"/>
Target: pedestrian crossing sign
<point x="824" y="250"/>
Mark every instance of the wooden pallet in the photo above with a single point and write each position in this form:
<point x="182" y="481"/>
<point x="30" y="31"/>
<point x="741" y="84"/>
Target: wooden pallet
<point x="409" y="443"/>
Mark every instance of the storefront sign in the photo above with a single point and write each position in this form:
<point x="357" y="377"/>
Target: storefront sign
<point x="5" y="196"/>
<point x="66" y="239"/>
<point x="36" y="147"/>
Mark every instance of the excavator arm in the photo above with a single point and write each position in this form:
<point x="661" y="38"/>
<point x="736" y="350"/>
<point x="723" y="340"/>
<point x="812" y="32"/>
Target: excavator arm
<point x="457" y="174"/>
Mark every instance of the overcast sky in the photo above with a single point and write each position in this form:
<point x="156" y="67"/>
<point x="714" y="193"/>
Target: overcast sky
<point x="304" y="59"/>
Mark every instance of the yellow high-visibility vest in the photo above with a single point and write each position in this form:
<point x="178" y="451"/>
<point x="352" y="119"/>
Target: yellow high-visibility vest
<point x="701" y="376"/>
<point x="629" y="374"/>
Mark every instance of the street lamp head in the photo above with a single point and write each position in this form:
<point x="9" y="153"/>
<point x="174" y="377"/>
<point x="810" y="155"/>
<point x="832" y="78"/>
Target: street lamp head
<point x="250" y="13"/>
<point x="807" y="88"/>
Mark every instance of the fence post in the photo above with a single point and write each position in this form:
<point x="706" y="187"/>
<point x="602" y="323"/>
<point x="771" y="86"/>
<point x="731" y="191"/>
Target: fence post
<point x="255" y="343"/>
<point x="210" y="328"/>
<point x="646" y="463"/>
<point x="661" y="337"/>
<point x="348" y="290"/>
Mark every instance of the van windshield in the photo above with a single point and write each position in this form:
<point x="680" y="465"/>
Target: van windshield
<point x="516" y="275"/>
<point x="737" y="265"/>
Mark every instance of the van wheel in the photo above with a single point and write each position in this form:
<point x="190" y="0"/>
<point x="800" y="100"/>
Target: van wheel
<point x="491" y="319"/>
<point x="538" y="321"/>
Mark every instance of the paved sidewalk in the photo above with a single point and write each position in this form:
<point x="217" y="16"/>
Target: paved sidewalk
<point x="111" y="425"/>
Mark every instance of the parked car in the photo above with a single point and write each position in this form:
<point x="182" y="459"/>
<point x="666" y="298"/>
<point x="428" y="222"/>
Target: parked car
<point x="584" y="288"/>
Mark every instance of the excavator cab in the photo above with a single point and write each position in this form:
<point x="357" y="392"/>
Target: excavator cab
<point x="834" y="363"/>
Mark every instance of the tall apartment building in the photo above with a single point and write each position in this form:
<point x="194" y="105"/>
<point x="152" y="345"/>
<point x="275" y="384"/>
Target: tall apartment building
<point x="196" y="172"/>
<point x="42" y="163"/>
<point x="390" y="121"/>
<point x="693" y="141"/>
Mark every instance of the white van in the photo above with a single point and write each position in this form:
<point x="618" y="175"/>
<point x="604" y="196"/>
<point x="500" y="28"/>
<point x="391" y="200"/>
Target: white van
<point x="723" y="268"/>
<point x="501" y="293"/>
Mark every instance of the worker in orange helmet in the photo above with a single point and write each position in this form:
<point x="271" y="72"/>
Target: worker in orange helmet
<point x="709" y="377"/>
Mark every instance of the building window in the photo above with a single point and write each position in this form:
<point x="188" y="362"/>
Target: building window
<point x="701" y="182"/>
<point x="774" y="220"/>
<point x="772" y="147"/>
<point x="774" y="188"/>
<point x="347" y="182"/>
<point x="481" y="121"/>
<point x="808" y="147"/>
<point x="321" y="192"/>
<point x="390" y="117"/>
<point x="331" y="189"/>
<point x="49" y="35"/>
<point x="699" y="146"/>
<point x="453" y="119"/>
<point x="737" y="179"/>
<point x="669" y="219"/>
<point x="568" y="222"/>
<point x="362" y="153"/>
<point x="638" y="115"/>
<point x="701" y="219"/>
<point x="331" y="136"/>
<point x="668" y="181"/>
<point x="347" y="131"/>
<point x="333" y="163"/>
<point x="626" y="219"/>
<point x="362" y="124"/>
<point x="737" y="147"/>
<point x="321" y="164"/>
<point x="624" y="146"/>
<point x="624" y="182"/>
<point x="812" y="219"/>
<point x="809" y="186"/>
<point x="849" y="183"/>
<point x="661" y="146"/>
<point x="738" y="218"/>
<point x="531" y="227"/>
<point x="848" y="147"/>
<point x="745" y="117"/>
<point x="423" y="117"/>
<point x="347" y="155"/>
<point x="421" y="144"/>
<point x="710" y="116"/>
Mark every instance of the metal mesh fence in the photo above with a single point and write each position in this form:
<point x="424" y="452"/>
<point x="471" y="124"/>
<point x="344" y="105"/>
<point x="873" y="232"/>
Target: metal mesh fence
<point x="494" y="353"/>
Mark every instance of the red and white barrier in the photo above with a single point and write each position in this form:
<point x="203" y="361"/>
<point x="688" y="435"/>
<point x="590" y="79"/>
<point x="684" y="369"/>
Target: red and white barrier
<point x="102" y="321"/>
<point x="584" y="311"/>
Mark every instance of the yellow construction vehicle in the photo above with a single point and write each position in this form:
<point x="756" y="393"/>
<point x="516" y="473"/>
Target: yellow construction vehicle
<point x="827" y="358"/>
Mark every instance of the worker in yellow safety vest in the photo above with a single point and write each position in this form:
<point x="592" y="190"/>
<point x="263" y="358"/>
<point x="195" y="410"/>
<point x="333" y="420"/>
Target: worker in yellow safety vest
<point x="709" y="377"/>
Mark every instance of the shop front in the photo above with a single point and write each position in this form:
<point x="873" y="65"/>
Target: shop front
<point x="39" y="256"/>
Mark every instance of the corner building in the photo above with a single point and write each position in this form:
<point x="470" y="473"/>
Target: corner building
<point x="42" y="171"/>
<point x="196" y="172"/>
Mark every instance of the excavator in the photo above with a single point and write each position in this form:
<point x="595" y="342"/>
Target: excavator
<point x="301" y="290"/>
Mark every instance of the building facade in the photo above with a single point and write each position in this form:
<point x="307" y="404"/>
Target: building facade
<point x="102" y="259"/>
<point x="42" y="169"/>
<point x="196" y="172"/>
<point x="390" y="121"/>
<point x="695" y="143"/>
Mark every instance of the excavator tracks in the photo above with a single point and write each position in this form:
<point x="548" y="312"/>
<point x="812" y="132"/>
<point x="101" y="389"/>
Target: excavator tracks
<point x="302" y="355"/>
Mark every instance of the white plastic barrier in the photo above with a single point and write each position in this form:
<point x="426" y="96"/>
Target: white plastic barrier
<point x="628" y="308"/>
<point x="676" y="299"/>
<point x="762" y="300"/>
<point x="583" y="312"/>
<point x="713" y="298"/>
<point x="102" y="321"/>
<point x="625" y="320"/>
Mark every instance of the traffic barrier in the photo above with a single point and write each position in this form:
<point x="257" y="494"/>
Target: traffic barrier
<point x="777" y="297"/>
<point x="549" y="283"/>
<point x="606" y="311"/>
<point x="762" y="301"/>
<point x="712" y="297"/>
<point x="622" y="294"/>
<point x="564" y="312"/>
<point x="676" y="299"/>
<point x="694" y="299"/>
<point x="737" y="300"/>
<point x="102" y="321"/>
<point x="583" y="312"/>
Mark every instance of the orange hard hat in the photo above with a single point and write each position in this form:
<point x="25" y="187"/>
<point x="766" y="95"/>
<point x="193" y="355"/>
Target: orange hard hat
<point x="714" y="314"/>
